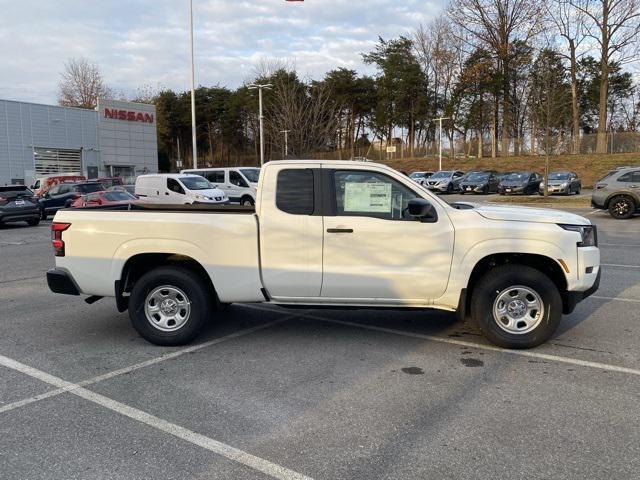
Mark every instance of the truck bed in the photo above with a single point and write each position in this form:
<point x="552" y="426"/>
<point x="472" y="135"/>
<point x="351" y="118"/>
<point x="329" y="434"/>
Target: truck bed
<point x="223" y="239"/>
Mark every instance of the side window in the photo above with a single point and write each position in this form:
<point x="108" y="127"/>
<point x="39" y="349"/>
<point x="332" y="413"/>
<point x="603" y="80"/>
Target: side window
<point x="294" y="191"/>
<point x="54" y="191"/>
<point x="174" y="186"/>
<point x="630" y="177"/>
<point x="215" y="177"/>
<point x="64" y="189"/>
<point x="91" y="198"/>
<point x="236" y="179"/>
<point x="371" y="194"/>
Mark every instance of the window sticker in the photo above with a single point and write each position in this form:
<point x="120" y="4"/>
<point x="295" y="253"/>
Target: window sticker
<point x="367" y="197"/>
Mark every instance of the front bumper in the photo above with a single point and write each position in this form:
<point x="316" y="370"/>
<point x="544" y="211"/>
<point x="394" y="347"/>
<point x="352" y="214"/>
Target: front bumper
<point x="438" y="188"/>
<point x="61" y="281"/>
<point x="472" y="188"/>
<point x="510" y="190"/>
<point x="571" y="299"/>
<point x="554" y="189"/>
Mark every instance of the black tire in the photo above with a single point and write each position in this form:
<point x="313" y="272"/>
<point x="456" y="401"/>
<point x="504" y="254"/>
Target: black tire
<point x="43" y="214"/>
<point x="33" y="222"/>
<point x="501" y="193"/>
<point x="579" y="190"/>
<point x="198" y="296"/>
<point x="500" y="280"/>
<point x="247" y="202"/>
<point x="622" y="207"/>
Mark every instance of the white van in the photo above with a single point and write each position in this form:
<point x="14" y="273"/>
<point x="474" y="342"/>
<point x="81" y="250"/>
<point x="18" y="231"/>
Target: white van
<point x="178" y="189"/>
<point x="239" y="183"/>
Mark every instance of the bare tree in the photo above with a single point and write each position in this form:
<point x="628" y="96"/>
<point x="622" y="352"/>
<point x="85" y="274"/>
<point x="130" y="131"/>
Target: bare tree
<point x="614" y="25"/>
<point x="81" y="84"/>
<point x="569" y="23"/>
<point x="497" y="25"/>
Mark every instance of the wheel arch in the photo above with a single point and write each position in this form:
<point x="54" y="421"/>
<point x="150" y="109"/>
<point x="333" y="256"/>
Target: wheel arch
<point x="137" y="265"/>
<point x="542" y="263"/>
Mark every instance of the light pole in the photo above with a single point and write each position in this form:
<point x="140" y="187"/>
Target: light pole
<point x="440" y="137"/>
<point x="260" y="87"/>
<point x="193" y="91"/>
<point x="286" y="142"/>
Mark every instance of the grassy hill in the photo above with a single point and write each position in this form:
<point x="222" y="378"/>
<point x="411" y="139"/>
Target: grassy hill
<point x="590" y="168"/>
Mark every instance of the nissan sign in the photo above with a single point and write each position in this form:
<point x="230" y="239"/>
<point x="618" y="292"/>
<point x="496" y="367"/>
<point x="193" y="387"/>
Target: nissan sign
<point x="128" y="115"/>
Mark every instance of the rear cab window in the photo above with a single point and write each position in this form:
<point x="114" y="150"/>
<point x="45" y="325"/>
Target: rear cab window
<point x="295" y="191"/>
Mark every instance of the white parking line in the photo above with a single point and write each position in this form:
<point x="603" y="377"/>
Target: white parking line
<point x="480" y="346"/>
<point x="618" y="266"/>
<point x="619" y="299"/>
<point x="227" y="451"/>
<point x="137" y="366"/>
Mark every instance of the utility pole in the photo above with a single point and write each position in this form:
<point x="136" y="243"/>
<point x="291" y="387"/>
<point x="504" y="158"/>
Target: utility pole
<point x="286" y="142"/>
<point x="260" y="87"/>
<point x="440" y="137"/>
<point x="193" y="91"/>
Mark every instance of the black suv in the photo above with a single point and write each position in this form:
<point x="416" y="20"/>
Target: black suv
<point x="64" y="194"/>
<point x="18" y="205"/>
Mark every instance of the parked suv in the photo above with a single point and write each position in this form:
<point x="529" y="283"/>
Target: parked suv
<point x="618" y="192"/>
<point x="63" y="195"/>
<point x="18" y="205"/>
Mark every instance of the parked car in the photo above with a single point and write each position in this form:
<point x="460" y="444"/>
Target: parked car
<point x="63" y="195"/>
<point x="178" y="189"/>
<point x="44" y="184"/>
<point x="124" y="188"/>
<point x="109" y="182"/>
<point x="338" y="233"/>
<point x="524" y="183"/>
<point x="456" y="182"/>
<point x="618" y="192"/>
<point x="483" y="181"/>
<point x="564" y="183"/>
<point x="109" y="197"/>
<point x="443" y="181"/>
<point x="17" y="204"/>
<point x="239" y="184"/>
<point x="420" y="177"/>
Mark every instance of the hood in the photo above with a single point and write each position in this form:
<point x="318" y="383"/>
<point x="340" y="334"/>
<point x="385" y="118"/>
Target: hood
<point x="513" y="183"/>
<point x="472" y="183"/>
<point x="212" y="192"/>
<point x="527" y="214"/>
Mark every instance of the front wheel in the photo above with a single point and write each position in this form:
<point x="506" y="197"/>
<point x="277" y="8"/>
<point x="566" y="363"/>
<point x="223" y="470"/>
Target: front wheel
<point x="621" y="207"/>
<point x="516" y="306"/>
<point x="169" y="306"/>
<point x="247" y="202"/>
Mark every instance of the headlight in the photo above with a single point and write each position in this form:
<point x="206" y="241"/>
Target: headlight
<point x="201" y="197"/>
<point x="564" y="185"/>
<point x="589" y="234"/>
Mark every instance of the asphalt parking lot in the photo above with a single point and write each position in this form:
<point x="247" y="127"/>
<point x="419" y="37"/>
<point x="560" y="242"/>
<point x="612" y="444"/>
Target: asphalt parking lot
<point x="274" y="393"/>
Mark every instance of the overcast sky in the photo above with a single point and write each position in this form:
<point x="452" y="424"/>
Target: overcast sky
<point x="140" y="42"/>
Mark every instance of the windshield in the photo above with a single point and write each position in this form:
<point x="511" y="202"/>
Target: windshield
<point x="90" y="188"/>
<point x="251" y="174"/>
<point x="196" y="182"/>
<point x="558" y="176"/>
<point x="441" y="175"/>
<point x="517" y="176"/>
<point x="478" y="176"/>
<point x="118" y="196"/>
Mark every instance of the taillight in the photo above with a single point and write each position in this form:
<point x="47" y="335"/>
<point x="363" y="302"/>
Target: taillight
<point x="56" y="237"/>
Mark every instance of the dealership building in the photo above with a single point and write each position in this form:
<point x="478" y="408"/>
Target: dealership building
<point x="116" y="139"/>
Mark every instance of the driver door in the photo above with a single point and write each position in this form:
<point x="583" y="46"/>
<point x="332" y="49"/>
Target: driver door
<point x="374" y="252"/>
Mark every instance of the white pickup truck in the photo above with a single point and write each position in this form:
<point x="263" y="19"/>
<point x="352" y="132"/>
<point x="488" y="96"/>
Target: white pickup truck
<point x="330" y="234"/>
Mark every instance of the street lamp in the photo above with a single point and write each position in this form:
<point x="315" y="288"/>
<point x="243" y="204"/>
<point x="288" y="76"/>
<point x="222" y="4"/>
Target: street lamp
<point x="260" y="87"/>
<point x="440" y="136"/>
<point x="193" y="91"/>
<point x="286" y="142"/>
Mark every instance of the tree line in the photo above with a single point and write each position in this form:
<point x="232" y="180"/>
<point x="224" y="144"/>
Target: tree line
<point x="509" y="77"/>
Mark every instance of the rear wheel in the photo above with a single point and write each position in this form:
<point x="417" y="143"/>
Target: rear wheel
<point x="169" y="306"/>
<point x="516" y="306"/>
<point x="43" y="214"/>
<point x="622" y="207"/>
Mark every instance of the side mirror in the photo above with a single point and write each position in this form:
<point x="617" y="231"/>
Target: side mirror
<point x="421" y="209"/>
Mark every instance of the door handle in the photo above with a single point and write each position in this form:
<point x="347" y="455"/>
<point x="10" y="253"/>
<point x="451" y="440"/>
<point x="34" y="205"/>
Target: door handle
<point x="339" y="230"/>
